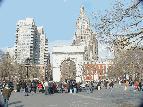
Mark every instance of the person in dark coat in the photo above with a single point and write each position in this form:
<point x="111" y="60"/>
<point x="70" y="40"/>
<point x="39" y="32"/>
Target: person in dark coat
<point x="105" y="84"/>
<point x="60" y="87"/>
<point x="18" y="86"/>
<point x="111" y="86"/>
<point x="75" y="86"/>
<point x="68" y="86"/>
<point x="34" y="86"/>
<point x="52" y="87"/>
<point x="23" y="85"/>
<point x="130" y="86"/>
<point x="78" y="87"/>
<point x="71" y="87"/>
<point x="6" y="94"/>
<point x="140" y="86"/>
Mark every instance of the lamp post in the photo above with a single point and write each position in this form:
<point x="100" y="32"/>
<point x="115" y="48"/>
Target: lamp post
<point x="27" y="65"/>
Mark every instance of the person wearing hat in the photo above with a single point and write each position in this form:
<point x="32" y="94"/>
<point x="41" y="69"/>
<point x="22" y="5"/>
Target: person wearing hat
<point x="6" y="94"/>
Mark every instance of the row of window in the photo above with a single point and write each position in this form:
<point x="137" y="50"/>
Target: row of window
<point x="23" y="43"/>
<point x="91" y="77"/>
<point x="24" y="35"/>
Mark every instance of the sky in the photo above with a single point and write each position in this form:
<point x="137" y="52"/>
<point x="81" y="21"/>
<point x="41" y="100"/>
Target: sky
<point x="58" y="18"/>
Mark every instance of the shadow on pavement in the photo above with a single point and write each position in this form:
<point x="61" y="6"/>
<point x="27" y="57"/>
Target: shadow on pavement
<point x="20" y="106"/>
<point x="15" y="103"/>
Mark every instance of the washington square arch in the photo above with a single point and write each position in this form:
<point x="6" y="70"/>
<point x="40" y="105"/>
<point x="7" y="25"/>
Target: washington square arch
<point x="70" y="56"/>
<point x="68" y="61"/>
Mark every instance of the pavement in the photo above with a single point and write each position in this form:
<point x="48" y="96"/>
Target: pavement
<point x="99" y="98"/>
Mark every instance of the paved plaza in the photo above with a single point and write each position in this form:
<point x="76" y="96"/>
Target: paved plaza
<point x="99" y="98"/>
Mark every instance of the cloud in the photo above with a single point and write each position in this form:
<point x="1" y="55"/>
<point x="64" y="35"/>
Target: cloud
<point x="4" y="48"/>
<point x="59" y="43"/>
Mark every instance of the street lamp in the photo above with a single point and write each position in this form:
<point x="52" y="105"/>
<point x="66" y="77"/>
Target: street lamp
<point x="27" y="64"/>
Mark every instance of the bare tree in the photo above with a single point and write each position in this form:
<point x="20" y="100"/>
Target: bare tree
<point x="49" y="74"/>
<point x="127" y="62"/>
<point x="34" y="70"/>
<point x="121" y="22"/>
<point x="122" y="31"/>
<point x="6" y="65"/>
<point x="68" y="70"/>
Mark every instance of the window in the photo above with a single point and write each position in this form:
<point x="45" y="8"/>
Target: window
<point x="98" y="66"/>
<point x="91" y="76"/>
<point x="102" y="66"/>
<point x="99" y="71"/>
<point x="91" y="72"/>
<point x="87" y="66"/>
<point x="87" y="77"/>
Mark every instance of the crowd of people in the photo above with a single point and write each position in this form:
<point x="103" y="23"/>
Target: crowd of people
<point x="51" y="87"/>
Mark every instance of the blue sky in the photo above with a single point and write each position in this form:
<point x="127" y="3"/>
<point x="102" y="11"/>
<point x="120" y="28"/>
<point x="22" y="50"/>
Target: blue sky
<point x="58" y="18"/>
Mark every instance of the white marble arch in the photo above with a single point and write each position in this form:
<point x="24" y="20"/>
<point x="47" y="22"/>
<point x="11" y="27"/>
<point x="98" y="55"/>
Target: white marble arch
<point x="61" y="53"/>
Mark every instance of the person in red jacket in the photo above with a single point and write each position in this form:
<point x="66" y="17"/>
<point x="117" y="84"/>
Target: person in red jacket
<point x="136" y="86"/>
<point x="39" y="86"/>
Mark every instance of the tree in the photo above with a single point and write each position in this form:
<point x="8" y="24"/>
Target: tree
<point x="127" y="62"/>
<point x="6" y="65"/>
<point x="68" y="70"/>
<point x="122" y="31"/>
<point x="120" y="22"/>
<point x="49" y="74"/>
<point x="34" y="70"/>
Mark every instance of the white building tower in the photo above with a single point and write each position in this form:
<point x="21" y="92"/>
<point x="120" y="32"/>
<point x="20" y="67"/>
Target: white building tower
<point x="31" y="42"/>
<point x="84" y="37"/>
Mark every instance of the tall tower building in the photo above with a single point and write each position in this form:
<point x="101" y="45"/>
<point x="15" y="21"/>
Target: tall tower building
<point x="31" y="42"/>
<point x="84" y="36"/>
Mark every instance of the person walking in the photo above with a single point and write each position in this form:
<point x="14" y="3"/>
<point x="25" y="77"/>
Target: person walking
<point x="71" y="87"/>
<point x="29" y="86"/>
<point x="26" y="88"/>
<point x="39" y="86"/>
<point x="87" y="87"/>
<point x="140" y="86"/>
<point x="18" y="86"/>
<point x="60" y="87"/>
<point x="45" y="85"/>
<point x="120" y="83"/>
<point x="78" y="87"/>
<point x="105" y="84"/>
<point x="52" y="87"/>
<point x="126" y="85"/>
<point x="130" y="85"/>
<point x="23" y="85"/>
<point x="90" y="86"/>
<point x="6" y="94"/>
<point x="111" y="85"/>
<point x="136" y="86"/>
<point x="34" y="86"/>
<point x="99" y="85"/>
<point x="68" y="87"/>
<point x="74" y="86"/>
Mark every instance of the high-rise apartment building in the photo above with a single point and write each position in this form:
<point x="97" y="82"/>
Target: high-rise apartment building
<point x="31" y="42"/>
